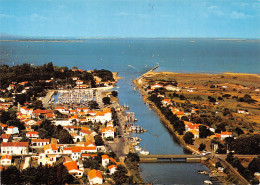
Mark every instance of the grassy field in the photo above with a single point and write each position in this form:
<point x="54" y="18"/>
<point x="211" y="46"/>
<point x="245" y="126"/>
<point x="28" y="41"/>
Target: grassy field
<point x="234" y="85"/>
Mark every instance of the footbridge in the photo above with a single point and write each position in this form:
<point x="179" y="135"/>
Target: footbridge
<point x="169" y="158"/>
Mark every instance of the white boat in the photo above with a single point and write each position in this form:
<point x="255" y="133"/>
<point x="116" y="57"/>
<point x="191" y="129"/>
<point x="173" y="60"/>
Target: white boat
<point x="138" y="148"/>
<point x="144" y="152"/>
<point x="207" y="182"/>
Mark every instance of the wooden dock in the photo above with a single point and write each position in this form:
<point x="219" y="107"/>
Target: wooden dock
<point x="169" y="158"/>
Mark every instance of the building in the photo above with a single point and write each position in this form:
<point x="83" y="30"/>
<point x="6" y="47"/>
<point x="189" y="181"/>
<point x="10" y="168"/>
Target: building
<point x="12" y="130"/>
<point x="52" y="149"/>
<point x="40" y="142"/>
<point x="6" y="160"/>
<point x="156" y="86"/>
<point x="6" y="137"/>
<point x="223" y="135"/>
<point x="14" y="148"/>
<point x="108" y="132"/>
<point x="72" y="168"/>
<point x="44" y="159"/>
<point x="105" y="160"/>
<point x="95" y="177"/>
<point x="32" y="134"/>
<point x="112" y="169"/>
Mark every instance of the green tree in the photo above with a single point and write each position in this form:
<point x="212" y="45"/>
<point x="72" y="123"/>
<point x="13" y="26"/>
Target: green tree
<point x="65" y="137"/>
<point x="254" y="165"/>
<point x="20" y="98"/>
<point x="202" y="147"/>
<point x="247" y="144"/>
<point x="133" y="157"/>
<point x="37" y="104"/>
<point x="93" y="104"/>
<point x="98" y="140"/>
<point x="204" y="132"/>
<point x="114" y="93"/>
<point x="11" y="175"/>
<point x="120" y="176"/>
<point x="188" y="138"/>
<point x="106" y="100"/>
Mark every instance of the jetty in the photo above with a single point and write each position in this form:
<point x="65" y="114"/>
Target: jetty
<point x="148" y="72"/>
<point x="169" y="158"/>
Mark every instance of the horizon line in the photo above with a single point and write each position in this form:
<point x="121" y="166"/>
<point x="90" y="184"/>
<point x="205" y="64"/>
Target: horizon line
<point x="2" y="35"/>
<point x="84" y="38"/>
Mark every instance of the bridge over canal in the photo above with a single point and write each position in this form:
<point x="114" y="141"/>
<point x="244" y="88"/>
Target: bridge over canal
<point x="169" y="158"/>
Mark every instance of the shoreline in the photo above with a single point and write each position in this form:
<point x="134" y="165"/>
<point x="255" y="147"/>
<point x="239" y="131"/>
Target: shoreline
<point x="200" y="73"/>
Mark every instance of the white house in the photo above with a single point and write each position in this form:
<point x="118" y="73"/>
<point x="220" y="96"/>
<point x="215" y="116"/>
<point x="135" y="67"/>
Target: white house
<point x="5" y="137"/>
<point x="105" y="160"/>
<point x="156" y="86"/>
<point x="44" y="159"/>
<point x="108" y="132"/>
<point x="14" y="148"/>
<point x="77" y="138"/>
<point x="112" y="169"/>
<point x="242" y="111"/>
<point x="84" y="132"/>
<point x="79" y="82"/>
<point x="76" y="153"/>
<point x="75" y="78"/>
<point x="72" y="168"/>
<point x="62" y="110"/>
<point x="52" y="149"/>
<point x="26" y="111"/>
<point x="67" y="150"/>
<point x="62" y="122"/>
<point x="95" y="177"/>
<point x="226" y="134"/>
<point x="172" y="88"/>
<point x="12" y="130"/>
<point x="40" y="142"/>
<point x="6" y="160"/>
<point x="32" y="134"/>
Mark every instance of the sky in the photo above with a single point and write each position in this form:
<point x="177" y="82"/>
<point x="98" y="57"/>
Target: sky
<point x="131" y="18"/>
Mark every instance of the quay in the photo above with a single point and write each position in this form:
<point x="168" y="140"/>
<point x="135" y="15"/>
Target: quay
<point x="169" y="158"/>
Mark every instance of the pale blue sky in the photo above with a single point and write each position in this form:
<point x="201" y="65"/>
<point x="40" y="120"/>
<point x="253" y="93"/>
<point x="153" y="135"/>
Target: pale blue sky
<point x="131" y="18"/>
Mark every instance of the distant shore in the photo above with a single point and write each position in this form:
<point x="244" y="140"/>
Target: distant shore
<point x="40" y="40"/>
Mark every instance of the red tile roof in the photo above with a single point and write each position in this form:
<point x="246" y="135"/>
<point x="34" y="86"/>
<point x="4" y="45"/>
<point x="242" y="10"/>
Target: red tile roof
<point x="94" y="173"/>
<point x="5" y="136"/>
<point x="15" y="144"/>
<point x="6" y="157"/>
<point x="40" y="140"/>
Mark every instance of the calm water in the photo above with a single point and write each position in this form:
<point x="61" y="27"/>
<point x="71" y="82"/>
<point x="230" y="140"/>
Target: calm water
<point x="131" y="58"/>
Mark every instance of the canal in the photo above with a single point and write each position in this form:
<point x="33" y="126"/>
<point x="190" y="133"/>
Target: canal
<point x="157" y="140"/>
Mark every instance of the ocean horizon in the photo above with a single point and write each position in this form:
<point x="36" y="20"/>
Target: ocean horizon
<point x="188" y="55"/>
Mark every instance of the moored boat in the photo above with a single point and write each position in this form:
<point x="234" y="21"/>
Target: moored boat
<point x="144" y="152"/>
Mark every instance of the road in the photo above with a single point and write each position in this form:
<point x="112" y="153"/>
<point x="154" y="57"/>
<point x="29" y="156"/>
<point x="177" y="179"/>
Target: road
<point x="121" y="145"/>
<point x="46" y="99"/>
<point x="226" y="165"/>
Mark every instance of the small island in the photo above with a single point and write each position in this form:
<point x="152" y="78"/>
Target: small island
<point x="215" y="116"/>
